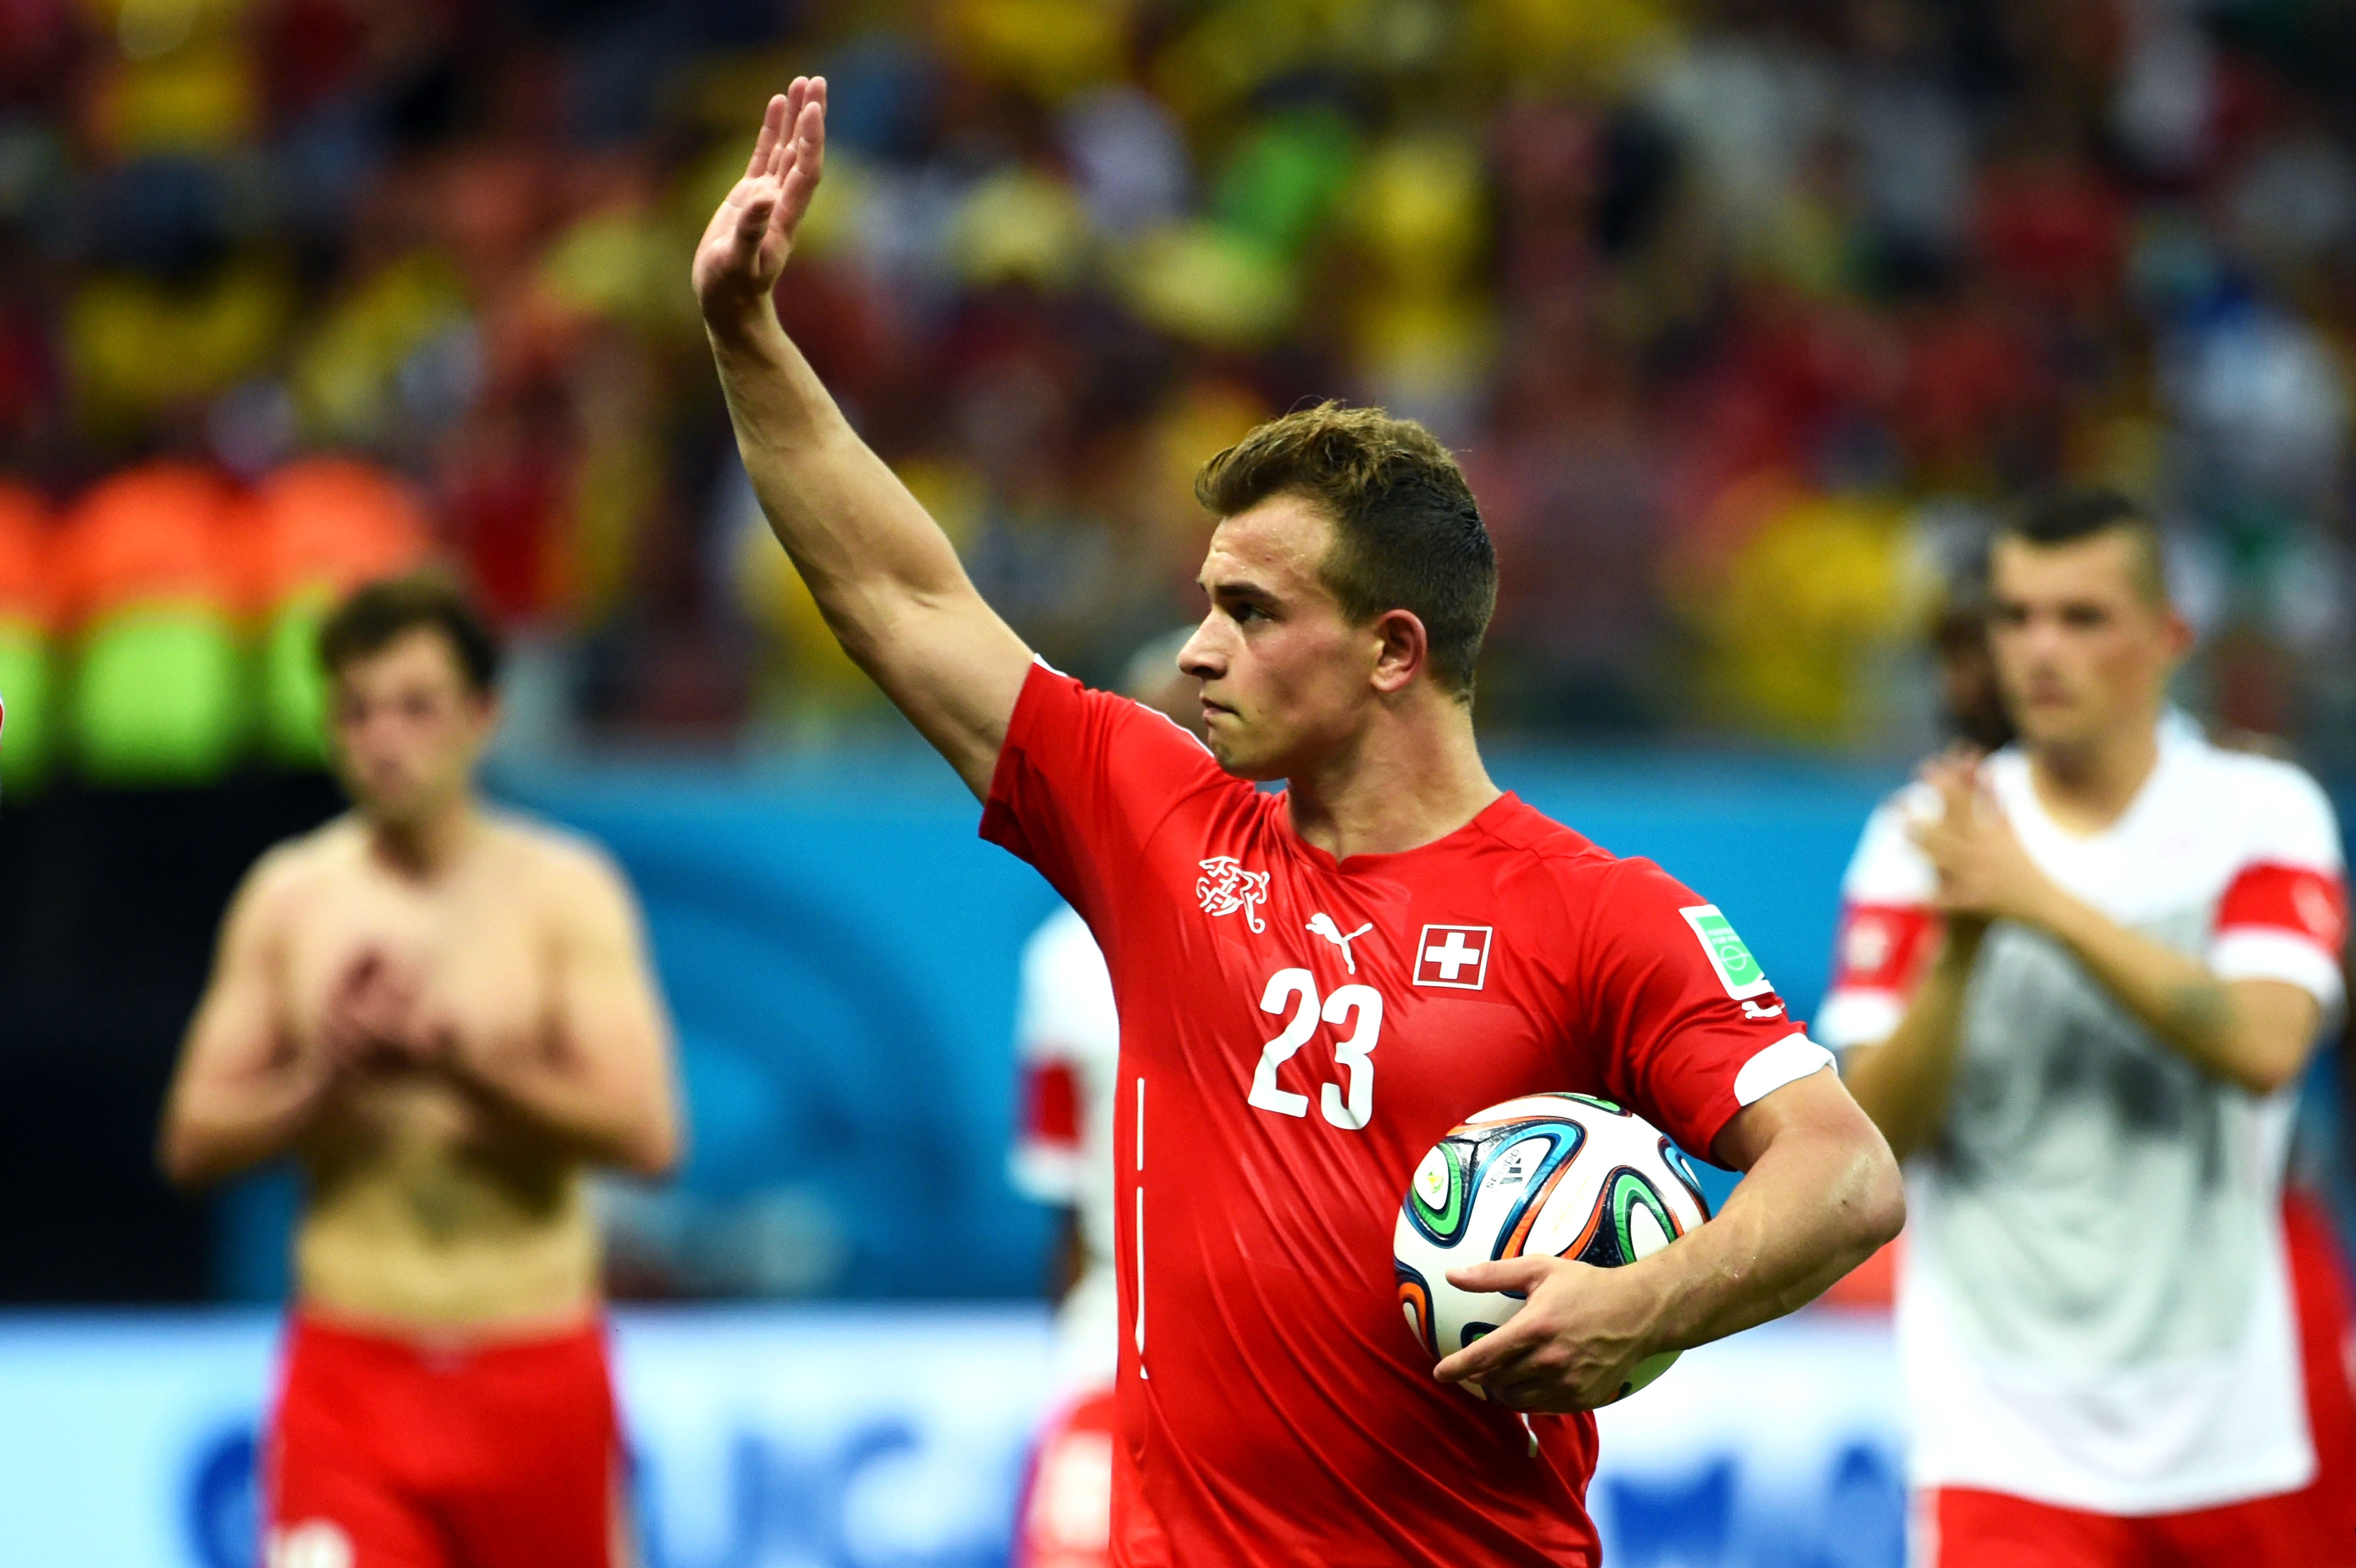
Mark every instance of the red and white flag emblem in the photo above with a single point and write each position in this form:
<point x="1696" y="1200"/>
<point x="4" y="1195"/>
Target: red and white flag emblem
<point x="1455" y="957"/>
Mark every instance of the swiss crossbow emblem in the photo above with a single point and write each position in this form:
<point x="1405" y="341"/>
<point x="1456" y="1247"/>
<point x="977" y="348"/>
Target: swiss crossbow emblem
<point x="1225" y="887"/>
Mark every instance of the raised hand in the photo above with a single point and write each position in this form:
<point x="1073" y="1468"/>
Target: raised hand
<point x="745" y="246"/>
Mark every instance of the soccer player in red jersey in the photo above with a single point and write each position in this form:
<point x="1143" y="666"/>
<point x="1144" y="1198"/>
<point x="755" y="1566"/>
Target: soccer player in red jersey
<point x="1314" y="985"/>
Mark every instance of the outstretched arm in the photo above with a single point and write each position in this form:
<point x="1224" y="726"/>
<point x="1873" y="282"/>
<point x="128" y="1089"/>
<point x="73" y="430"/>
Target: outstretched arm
<point x="882" y="573"/>
<point x="1820" y="1194"/>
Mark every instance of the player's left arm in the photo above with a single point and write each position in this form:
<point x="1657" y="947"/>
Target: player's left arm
<point x="598" y="1079"/>
<point x="1820" y="1194"/>
<point x="1663" y="974"/>
<point x="2255" y="1030"/>
<point x="2255" y="1033"/>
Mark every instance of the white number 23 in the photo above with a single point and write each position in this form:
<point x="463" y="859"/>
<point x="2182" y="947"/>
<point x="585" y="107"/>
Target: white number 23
<point x="1297" y="988"/>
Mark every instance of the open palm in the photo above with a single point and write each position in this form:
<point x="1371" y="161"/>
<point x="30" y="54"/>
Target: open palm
<point x="745" y="246"/>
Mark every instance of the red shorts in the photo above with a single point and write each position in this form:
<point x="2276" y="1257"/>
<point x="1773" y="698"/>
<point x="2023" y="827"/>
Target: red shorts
<point x="2313" y="1528"/>
<point x="1988" y="1530"/>
<point x="384" y="1455"/>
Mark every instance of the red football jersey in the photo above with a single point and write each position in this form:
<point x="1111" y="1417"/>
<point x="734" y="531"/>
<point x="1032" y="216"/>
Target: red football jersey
<point x="1295" y="1033"/>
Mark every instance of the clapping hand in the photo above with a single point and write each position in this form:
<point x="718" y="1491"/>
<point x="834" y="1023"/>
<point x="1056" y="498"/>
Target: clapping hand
<point x="1984" y="872"/>
<point x="369" y="1017"/>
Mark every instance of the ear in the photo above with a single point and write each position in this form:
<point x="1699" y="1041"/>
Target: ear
<point x="2180" y="636"/>
<point x="1402" y="651"/>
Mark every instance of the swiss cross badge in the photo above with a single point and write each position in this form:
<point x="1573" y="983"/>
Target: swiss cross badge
<point x="1455" y="957"/>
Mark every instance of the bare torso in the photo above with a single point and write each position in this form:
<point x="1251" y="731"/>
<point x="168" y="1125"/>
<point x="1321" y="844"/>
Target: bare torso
<point x="427" y="1210"/>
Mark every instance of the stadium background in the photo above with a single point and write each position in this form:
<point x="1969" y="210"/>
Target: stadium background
<point x="1745" y="316"/>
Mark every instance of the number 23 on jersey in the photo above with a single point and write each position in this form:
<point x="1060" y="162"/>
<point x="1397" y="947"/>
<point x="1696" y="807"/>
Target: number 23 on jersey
<point x="1358" y="1009"/>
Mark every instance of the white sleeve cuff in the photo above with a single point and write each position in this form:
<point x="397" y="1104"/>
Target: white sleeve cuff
<point x="1858" y="1017"/>
<point x="1788" y="1060"/>
<point x="1045" y="1173"/>
<point x="2257" y="953"/>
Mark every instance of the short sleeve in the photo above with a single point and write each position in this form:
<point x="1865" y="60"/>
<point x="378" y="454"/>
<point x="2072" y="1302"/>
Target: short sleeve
<point x="1082" y="780"/>
<point x="1067" y="1037"/>
<point x="1044" y="1163"/>
<point x="1691" y="1026"/>
<point x="2284" y="914"/>
<point x="1888" y="928"/>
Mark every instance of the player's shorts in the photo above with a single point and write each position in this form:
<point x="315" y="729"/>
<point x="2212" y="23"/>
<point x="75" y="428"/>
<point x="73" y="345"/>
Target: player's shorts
<point x="1965" y="1529"/>
<point x="1066" y="1509"/>
<point x="386" y="1455"/>
<point x="2311" y="1528"/>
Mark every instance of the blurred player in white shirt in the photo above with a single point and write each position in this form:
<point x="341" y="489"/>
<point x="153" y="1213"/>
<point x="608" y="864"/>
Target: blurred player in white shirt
<point x="2077" y="984"/>
<point x="1068" y="1045"/>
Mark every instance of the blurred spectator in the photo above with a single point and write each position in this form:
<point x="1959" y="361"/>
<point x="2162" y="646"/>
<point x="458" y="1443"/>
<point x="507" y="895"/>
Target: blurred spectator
<point x="28" y="620"/>
<point x="154" y="602"/>
<point x="1720" y="300"/>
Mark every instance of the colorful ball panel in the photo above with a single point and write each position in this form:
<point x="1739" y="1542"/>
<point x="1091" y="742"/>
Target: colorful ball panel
<point x="1555" y="1175"/>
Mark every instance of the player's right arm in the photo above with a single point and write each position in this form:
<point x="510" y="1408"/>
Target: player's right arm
<point x="244" y="1090"/>
<point x="882" y="573"/>
<point x="1894" y="1012"/>
<point x="1904" y="1082"/>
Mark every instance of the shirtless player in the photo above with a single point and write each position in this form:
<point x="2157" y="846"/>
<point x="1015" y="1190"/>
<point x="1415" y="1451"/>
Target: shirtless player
<point x="445" y="1015"/>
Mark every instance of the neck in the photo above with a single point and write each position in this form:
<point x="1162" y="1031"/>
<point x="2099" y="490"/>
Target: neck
<point x="2089" y="785"/>
<point x="1413" y="776"/>
<point x="428" y="844"/>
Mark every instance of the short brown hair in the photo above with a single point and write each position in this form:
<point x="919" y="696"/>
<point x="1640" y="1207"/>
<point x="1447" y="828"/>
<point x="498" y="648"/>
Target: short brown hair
<point x="377" y="614"/>
<point x="1408" y="535"/>
<point x="2066" y="516"/>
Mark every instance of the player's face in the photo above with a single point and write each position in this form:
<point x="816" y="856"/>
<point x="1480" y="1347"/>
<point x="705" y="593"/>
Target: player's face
<point x="407" y="727"/>
<point x="1284" y="674"/>
<point x="2080" y="646"/>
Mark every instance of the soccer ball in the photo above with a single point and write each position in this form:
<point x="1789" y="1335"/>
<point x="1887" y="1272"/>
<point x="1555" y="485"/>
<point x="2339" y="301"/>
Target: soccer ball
<point x="1543" y="1176"/>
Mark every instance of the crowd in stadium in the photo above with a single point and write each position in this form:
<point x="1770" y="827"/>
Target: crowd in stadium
<point x="1703" y="291"/>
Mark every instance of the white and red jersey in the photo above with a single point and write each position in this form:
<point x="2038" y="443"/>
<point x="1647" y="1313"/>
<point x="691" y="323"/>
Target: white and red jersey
<point x="1067" y="1044"/>
<point x="2093" y="1310"/>
<point x="1296" y="1032"/>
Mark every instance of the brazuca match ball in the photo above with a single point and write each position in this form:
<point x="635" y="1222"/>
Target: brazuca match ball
<point x="1562" y="1176"/>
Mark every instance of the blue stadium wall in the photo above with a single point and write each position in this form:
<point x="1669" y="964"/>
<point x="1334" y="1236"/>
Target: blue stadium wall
<point x="839" y="948"/>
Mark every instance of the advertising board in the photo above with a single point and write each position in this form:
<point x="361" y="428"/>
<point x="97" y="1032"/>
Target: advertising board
<point x="841" y="1437"/>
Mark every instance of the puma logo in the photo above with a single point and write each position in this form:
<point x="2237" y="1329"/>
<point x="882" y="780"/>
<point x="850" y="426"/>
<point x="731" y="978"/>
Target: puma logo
<point x="1322" y="924"/>
<point x="1753" y="1011"/>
